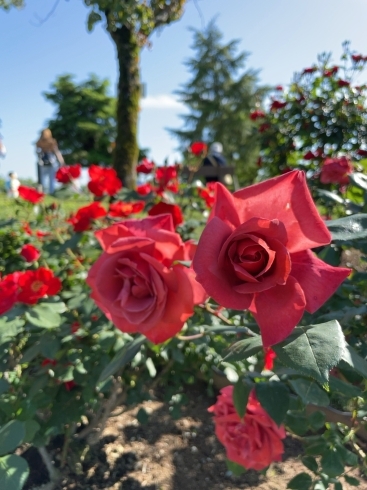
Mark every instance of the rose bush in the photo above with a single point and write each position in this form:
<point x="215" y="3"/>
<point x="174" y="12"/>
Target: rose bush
<point x="255" y="254"/>
<point x="138" y="281"/>
<point x="336" y="171"/>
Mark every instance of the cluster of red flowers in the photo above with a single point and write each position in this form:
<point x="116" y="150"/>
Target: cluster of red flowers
<point x="39" y="234"/>
<point x="103" y="181"/>
<point x="67" y="174"/>
<point x="277" y="104"/>
<point x="83" y="218"/>
<point x="254" y="115"/>
<point x="167" y="179"/>
<point x="27" y="287"/>
<point x="357" y="58"/>
<point x="336" y="171"/>
<point x="30" y="194"/>
<point x="331" y="71"/>
<point x="145" y="166"/>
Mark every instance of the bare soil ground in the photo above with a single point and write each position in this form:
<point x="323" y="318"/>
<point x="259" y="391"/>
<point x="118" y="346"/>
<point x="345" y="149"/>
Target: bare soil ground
<point x="164" y="454"/>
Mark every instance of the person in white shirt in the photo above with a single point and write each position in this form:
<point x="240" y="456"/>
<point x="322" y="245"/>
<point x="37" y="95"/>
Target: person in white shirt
<point x="12" y="185"/>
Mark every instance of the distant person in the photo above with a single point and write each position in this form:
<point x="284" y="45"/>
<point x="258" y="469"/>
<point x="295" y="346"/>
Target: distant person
<point x="2" y="148"/>
<point x="49" y="160"/>
<point x="214" y="158"/>
<point x="12" y="185"/>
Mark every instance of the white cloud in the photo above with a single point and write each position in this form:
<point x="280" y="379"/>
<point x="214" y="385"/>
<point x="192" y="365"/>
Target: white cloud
<point x="161" y="102"/>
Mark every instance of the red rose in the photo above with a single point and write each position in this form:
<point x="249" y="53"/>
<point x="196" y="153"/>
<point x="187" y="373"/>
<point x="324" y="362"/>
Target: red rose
<point x="308" y="71"/>
<point x="165" y="208"/>
<point x="361" y="153"/>
<point x="343" y="83"/>
<point x="270" y="356"/>
<point x="144" y="189"/>
<point x="167" y="178"/>
<point x="103" y="181"/>
<point x="34" y="285"/>
<point x="357" y="58"/>
<point x="254" y="441"/>
<point x="277" y="104"/>
<point x="145" y="166"/>
<point x="198" y="148"/>
<point x="137" y="281"/>
<point x="254" y="254"/>
<point x="309" y="156"/>
<point x="336" y="171"/>
<point x="121" y="209"/>
<point x="8" y="292"/>
<point x="279" y="88"/>
<point x="331" y="71"/>
<point x="208" y="194"/>
<point x="254" y="115"/>
<point x="84" y="217"/>
<point x="66" y="174"/>
<point x="30" y="194"/>
<point x="30" y="253"/>
<point x="264" y="127"/>
<point x="27" y="229"/>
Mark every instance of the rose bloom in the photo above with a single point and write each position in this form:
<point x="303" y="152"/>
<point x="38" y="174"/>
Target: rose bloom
<point x="254" y="115"/>
<point x="331" y="71"/>
<point x="145" y="189"/>
<point x="30" y="194"/>
<point x="83" y="218"/>
<point x="103" y="181"/>
<point x="67" y="173"/>
<point x="308" y="71"/>
<point x="166" y="176"/>
<point x="145" y="166"/>
<point x="361" y="153"/>
<point x="198" y="148"/>
<point x="254" y="254"/>
<point x="8" y="291"/>
<point x="208" y="194"/>
<point x="36" y="284"/>
<point x="343" y="83"/>
<point x="30" y="253"/>
<point x="336" y="171"/>
<point x="137" y="281"/>
<point x="254" y="441"/>
<point x="166" y="208"/>
<point x="122" y="209"/>
<point x="277" y="104"/>
<point x="309" y="156"/>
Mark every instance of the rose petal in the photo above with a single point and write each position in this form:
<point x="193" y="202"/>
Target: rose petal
<point x="318" y="280"/>
<point x="278" y="310"/>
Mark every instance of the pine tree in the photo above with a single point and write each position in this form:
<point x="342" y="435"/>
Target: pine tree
<point x="220" y="96"/>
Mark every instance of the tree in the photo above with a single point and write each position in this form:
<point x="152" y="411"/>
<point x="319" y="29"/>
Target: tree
<point x="220" y="96"/>
<point x="84" y="124"/>
<point x="129" y="23"/>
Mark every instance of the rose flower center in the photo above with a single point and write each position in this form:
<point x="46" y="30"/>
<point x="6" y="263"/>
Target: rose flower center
<point x="36" y="286"/>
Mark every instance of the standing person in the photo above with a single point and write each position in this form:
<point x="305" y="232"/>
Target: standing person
<point x="12" y="185"/>
<point x="214" y="158"/>
<point x="49" y="159"/>
<point x="2" y="148"/>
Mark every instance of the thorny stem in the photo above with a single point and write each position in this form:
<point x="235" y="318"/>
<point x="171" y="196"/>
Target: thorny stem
<point x="70" y="430"/>
<point x="210" y="310"/>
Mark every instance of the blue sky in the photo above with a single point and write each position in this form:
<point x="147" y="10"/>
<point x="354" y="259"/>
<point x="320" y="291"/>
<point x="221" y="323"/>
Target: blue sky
<point x="283" y="36"/>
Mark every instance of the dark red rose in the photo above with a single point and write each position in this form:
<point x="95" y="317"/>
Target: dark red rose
<point x="308" y="71"/>
<point x="264" y="127"/>
<point x="331" y="71"/>
<point x="165" y="208"/>
<point x="309" y="156"/>
<point x="361" y="153"/>
<point x="277" y="104"/>
<point x="254" y="115"/>
<point x="343" y="83"/>
<point x="8" y="291"/>
<point x="145" y="166"/>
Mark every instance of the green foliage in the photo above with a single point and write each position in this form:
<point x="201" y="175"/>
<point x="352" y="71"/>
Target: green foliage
<point x="85" y="119"/>
<point x="220" y="96"/>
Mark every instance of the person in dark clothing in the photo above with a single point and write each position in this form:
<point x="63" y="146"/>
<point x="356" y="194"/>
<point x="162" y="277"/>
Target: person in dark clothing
<point x="214" y="158"/>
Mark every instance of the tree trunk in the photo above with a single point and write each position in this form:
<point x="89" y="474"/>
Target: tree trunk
<point x="126" y="151"/>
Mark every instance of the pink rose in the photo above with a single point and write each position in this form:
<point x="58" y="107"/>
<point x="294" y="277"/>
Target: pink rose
<point x="137" y="281"/>
<point x="254" y="441"/>
<point x="254" y="254"/>
<point x="336" y="171"/>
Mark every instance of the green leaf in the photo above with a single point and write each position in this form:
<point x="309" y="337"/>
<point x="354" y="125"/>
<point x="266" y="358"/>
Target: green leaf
<point x="122" y="357"/>
<point x="331" y="464"/>
<point x="142" y="416"/>
<point x="274" y="398"/>
<point x="93" y="18"/>
<point x="310" y="463"/>
<point x="296" y="423"/>
<point x="303" y="481"/>
<point x="338" y="486"/>
<point x="10" y="329"/>
<point x="14" y="472"/>
<point x="320" y="485"/>
<point x="241" y="392"/>
<point x="50" y="346"/>
<point x="235" y="468"/>
<point x="330" y="196"/>
<point x="313" y="350"/>
<point x="244" y="349"/>
<point x="351" y="480"/>
<point x="11" y="436"/>
<point x="349" y="228"/>
<point x="354" y="360"/>
<point x="359" y="180"/>
<point x="310" y="392"/>
<point x="4" y="386"/>
<point x="317" y="420"/>
<point x="342" y="388"/>
<point x="43" y="316"/>
<point x="31" y="353"/>
<point x="31" y="427"/>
